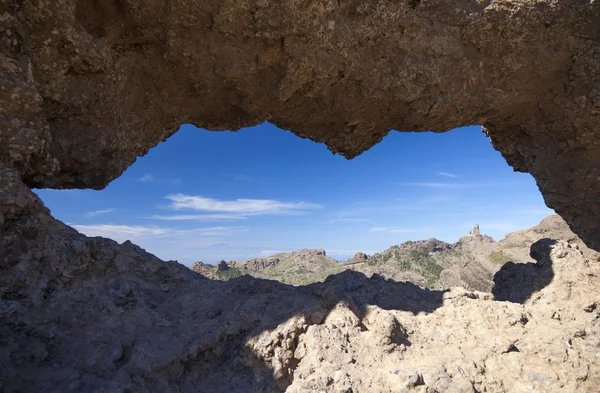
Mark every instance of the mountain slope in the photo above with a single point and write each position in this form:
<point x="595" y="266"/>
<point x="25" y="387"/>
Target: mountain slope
<point x="470" y="263"/>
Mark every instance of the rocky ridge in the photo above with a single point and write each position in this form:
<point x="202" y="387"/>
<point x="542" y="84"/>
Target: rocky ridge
<point x="118" y="319"/>
<point x="471" y="263"/>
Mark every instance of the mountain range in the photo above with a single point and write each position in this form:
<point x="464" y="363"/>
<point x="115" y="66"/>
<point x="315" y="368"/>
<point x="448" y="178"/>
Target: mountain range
<point x="471" y="262"/>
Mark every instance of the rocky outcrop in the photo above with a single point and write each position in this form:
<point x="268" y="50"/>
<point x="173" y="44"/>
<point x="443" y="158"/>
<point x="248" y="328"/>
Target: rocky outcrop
<point x="430" y="245"/>
<point x="260" y="264"/>
<point x="112" y="317"/>
<point x="255" y="264"/>
<point x="478" y="261"/>
<point x="307" y="253"/>
<point x="82" y="314"/>
<point x="206" y="270"/>
<point x="222" y="266"/>
<point x="342" y="73"/>
<point x="297" y="268"/>
<point x="359" y="257"/>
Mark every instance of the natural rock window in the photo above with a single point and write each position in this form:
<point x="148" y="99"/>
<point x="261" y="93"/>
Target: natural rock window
<point x="87" y="86"/>
<point x="204" y="196"/>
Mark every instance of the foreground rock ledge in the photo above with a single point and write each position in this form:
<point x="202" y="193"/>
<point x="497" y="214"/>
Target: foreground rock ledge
<point x="89" y="85"/>
<point x="85" y="314"/>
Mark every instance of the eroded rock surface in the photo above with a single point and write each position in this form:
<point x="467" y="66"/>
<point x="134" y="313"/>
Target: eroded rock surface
<point x="90" y="315"/>
<point x="86" y="86"/>
<point x="89" y="85"/>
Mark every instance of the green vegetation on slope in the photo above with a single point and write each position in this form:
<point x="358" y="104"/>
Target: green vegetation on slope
<point x="426" y="266"/>
<point x="297" y="271"/>
<point x="229" y="274"/>
<point x="499" y="257"/>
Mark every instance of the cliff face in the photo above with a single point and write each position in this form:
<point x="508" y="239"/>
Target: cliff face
<point x="89" y="85"/>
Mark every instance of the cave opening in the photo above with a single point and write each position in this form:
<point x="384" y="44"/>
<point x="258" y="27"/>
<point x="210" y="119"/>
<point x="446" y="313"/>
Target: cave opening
<point x="210" y="196"/>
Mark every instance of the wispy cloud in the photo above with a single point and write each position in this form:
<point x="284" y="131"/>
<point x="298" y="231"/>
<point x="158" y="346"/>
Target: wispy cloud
<point x="347" y="219"/>
<point x="125" y="232"/>
<point x="150" y="178"/>
<point x="147" y="178"/>
<point x="240" y="207"/>
<point x="444" y="185"/>
<point x="197" y="217"/>
<point x="380" y="229"/>
<point x="136" y="232"/>
<point x="448" y="174"/>
<point x="97" y="213"/>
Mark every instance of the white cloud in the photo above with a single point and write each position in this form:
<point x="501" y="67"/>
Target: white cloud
<point x="125" y="232"/>
<point x="197" y="217"/>
<point x="150" y="178"/>
<point x="121" y="233"/>
<point x="448" y="174"/>
<point x="146" y="178"/>
<point x="380" y="229"/>
<point x="97" y="213"/>
<point x="243" y="207"/>
<point x="214" y="231"/>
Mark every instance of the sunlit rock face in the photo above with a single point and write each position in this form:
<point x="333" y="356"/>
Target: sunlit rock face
<point x="89" y="85"/>
<point x="82" y="314"/>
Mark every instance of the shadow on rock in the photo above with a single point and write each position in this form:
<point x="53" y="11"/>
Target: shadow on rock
<point x="377" y="291"/>
<point x="342" y="301"/>
<point x="516" y="282"/>
<point x="159" y="326"/>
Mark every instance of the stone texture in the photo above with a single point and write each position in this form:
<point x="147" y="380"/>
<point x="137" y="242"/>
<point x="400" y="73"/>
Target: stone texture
<point x="297" y="268"/>
<point x="90" y="315"/>
<point x="255" y="264"/>
<point x="86" y="86"/>
<point x="89" y="85"/>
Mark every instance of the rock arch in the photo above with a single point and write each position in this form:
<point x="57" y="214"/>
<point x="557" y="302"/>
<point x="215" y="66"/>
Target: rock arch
<point x="89" y="85"/>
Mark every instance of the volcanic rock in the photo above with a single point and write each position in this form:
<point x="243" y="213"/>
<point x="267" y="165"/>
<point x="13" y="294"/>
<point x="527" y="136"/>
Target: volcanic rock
<point x="130" y="73"/>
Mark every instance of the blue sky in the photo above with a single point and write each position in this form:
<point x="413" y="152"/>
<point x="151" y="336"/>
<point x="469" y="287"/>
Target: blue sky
<point x="235" y="195"/>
